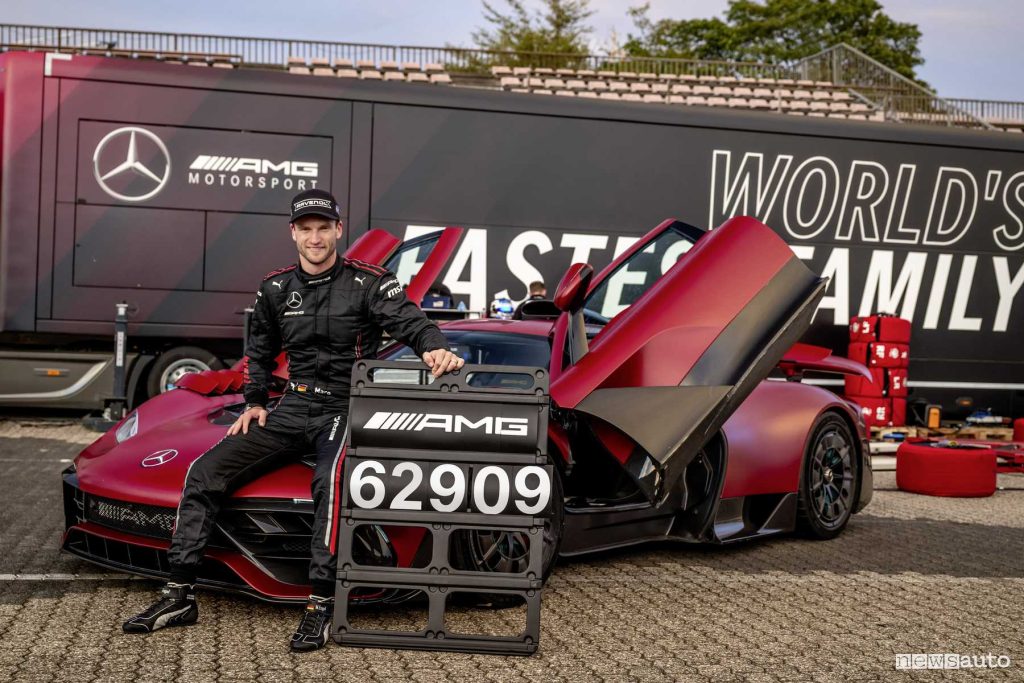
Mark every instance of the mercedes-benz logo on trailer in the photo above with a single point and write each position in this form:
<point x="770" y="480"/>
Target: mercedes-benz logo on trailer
<point x="158" y="173"/>
<point x="159" y="458"/>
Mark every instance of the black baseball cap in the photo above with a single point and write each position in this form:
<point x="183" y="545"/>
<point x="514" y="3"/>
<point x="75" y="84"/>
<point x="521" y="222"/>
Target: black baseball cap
<point x="315" y="203"/>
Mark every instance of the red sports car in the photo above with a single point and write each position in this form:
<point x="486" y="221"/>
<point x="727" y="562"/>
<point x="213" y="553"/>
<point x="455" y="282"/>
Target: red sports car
<point x="665" y="422"/>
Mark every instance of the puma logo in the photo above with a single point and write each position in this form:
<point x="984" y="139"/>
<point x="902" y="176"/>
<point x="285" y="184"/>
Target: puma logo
<point x="359" y="279"/>
<point x="278" y="283"/>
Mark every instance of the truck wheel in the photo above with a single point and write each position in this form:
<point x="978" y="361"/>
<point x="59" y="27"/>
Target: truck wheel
<point x="170" y="365"/>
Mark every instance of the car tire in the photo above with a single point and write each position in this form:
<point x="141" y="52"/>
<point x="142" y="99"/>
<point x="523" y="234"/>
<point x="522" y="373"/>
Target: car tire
<point x="468" y="547"/>
<point x="946" y="468"/>
<point x="173" y="363"/>
<point x="829" y="479"/>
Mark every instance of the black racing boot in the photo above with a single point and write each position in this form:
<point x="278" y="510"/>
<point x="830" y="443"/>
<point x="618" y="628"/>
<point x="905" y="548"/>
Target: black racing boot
<point x="315" y="627"/>
<point x="176" y="607"/>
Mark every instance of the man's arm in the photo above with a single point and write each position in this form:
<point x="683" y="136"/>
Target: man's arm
<point x="402" y="319"/>
<point x="261" y="350"/>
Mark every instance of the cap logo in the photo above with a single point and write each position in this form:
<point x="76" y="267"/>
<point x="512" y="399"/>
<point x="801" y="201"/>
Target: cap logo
<point x="305" y="203"/>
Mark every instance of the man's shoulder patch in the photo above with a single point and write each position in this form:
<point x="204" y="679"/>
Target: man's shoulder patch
<point x="279" y="271"/>
<point x="374" y="270"/>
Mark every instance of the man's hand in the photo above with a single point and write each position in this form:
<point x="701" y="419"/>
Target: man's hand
<point x="441" y="361"/>
<point x="242" y="423"/>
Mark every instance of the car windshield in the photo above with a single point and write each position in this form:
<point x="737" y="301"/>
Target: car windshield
<point x="635" y="275"/>
<point x="473" y="346"/>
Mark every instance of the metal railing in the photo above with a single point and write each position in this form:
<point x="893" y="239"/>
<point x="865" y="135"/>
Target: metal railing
<point x="899" y="97"/>
<point x="275" y="52"/>
<point x="994" y="111"/>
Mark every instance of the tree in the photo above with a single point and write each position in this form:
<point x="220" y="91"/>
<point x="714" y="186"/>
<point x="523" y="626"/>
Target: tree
<point x="780" y="32"/>
<point x="560" y="28"/>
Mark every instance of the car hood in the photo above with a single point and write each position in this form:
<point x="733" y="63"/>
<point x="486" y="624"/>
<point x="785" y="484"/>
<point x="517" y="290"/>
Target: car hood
<point x="174" y="430"/>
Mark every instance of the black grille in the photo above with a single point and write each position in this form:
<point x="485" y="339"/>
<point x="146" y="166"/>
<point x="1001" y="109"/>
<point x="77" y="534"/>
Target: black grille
<point x="134" y="518"/>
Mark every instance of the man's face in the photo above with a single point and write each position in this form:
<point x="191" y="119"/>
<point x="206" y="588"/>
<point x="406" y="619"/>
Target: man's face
<point x="316" y="238"/>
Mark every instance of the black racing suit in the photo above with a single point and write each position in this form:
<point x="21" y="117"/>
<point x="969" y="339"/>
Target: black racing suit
<point x="324" y="322"/>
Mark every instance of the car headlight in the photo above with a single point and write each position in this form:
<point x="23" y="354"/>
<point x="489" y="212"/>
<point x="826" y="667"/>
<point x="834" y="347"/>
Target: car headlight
<point x="128" y="428"/>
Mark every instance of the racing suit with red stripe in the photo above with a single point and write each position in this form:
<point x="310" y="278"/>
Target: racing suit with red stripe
<point x="324" y="322"/>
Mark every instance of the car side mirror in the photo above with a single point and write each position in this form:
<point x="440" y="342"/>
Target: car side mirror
<point x="538" y="309"/>
<point x="573" y="288"/>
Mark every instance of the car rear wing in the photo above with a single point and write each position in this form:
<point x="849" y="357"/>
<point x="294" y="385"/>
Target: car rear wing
<point x="464" y="453"/>
<point x="803" y="357"/>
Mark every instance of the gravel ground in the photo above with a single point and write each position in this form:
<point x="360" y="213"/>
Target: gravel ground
<point x="911" y="574"/>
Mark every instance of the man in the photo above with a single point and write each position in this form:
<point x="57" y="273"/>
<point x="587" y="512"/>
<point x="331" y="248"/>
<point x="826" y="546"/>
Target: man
<point x="326" y="311"/>
<point x="538" y="292"/>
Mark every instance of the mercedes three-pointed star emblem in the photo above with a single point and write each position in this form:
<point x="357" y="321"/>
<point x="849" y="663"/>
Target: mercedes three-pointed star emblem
<point x="158" y="175"/>
<point x="159" y="458"/>
<point x="294" y="300"/>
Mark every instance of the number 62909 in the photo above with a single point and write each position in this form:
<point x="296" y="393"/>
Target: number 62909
<point x="448" y="487"/>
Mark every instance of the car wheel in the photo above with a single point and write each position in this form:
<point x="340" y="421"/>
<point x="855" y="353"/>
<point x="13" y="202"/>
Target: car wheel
<point x="174" y="363"/>
<point x="500" y="551"/>
<point x="829" y="479"/>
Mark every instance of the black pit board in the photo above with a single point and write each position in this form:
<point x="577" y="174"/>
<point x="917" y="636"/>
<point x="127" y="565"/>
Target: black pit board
<point x="483" y="416"/>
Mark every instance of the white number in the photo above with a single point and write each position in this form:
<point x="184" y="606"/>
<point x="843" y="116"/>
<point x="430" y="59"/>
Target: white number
<point x="366" y="474"/>
<point x="359" y="481"/>
<point x="478" y="490"/>
<point x="400" y="502"/>
<point x="542" y="492"/>
<point x="457" y="490"/>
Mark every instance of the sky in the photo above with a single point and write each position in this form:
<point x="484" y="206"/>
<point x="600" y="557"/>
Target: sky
<point x="971" y="49"/>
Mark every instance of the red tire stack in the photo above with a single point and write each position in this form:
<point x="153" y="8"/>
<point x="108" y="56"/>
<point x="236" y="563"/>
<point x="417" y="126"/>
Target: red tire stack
<point x="881" y="342"/>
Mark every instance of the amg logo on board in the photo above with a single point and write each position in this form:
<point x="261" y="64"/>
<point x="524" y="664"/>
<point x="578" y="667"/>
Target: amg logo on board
<point x="259" y="174"/>
<point x="299" y="169"/>
<point x="453" y="424"/>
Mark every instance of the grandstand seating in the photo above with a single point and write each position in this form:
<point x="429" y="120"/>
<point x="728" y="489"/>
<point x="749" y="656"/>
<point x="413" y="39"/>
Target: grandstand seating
<point x="369" y="70"/>
<point x="789" y="96"/>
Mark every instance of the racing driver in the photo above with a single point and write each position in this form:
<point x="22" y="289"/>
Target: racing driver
<point x="327" y="311"/>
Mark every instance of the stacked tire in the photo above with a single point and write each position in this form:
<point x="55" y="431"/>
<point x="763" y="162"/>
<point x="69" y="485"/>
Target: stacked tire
<point x="882" y="343"/>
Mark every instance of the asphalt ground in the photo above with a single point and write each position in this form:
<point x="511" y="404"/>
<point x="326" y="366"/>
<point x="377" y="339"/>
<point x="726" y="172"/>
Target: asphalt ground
<point x="911" y="574"/>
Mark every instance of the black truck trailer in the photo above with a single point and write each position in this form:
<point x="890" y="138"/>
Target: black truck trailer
<point x="166" y="187"/>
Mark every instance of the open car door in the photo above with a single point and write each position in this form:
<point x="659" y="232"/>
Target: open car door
<point x="692" y="322"/>
<point x="416" y="263"/>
